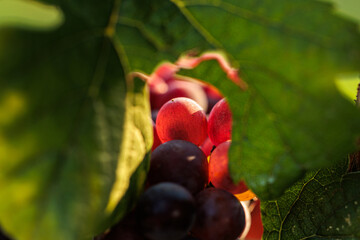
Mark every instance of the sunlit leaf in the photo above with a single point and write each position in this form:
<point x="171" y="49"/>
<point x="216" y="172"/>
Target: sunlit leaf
<point x="29" y="14"/>
<point x="75" y="133"/>
<point x="70" y="129"/>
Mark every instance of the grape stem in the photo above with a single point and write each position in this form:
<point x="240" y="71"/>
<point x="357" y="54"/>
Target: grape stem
<point x="167" y="71"/>
<point x="190" y="62"/>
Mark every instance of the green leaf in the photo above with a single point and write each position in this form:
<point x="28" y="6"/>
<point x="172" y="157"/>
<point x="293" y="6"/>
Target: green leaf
<point x="29" y="14"/>
<point x="134" y="158"/>
<point x="325" y="204"/>
<point x="348" y="8"/>
<point x="292" y="118"/>
<point x="71" y="132"/>
<point x="348" y="86"/>
<point x="73" y="128"/>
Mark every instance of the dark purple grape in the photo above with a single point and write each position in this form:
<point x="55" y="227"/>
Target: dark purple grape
<point x="179" y="162"/>
<point x="165" y="211"/>
<point x="219" y="215"/>
<point x="126" y="229"/>
<point x="189" y="237"/>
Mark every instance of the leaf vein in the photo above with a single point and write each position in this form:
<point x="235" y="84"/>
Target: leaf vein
<point x="156" y="43"/>
<point x="261" y="20"/>
<point x="195" y="23"/>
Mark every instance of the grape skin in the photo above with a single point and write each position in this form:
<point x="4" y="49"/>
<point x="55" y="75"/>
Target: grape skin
<point x="165" y="211"/>
<point x="177" y="88"/>
<point x="126" y="229"/>
<point x="183" y="119"/>
<point x="185" y="89"/>
<point x="219" y="215"/>
<point x="180" y="162"/>
<point x="220" y="123"/>
<point x="219" y="170"/>
<point x="207" y="146"/>
<point x="220" y="129"/>
<point x="256" y="229"/>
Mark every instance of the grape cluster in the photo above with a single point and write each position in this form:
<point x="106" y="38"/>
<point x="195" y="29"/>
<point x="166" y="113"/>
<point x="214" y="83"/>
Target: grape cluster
<point x="189" y="192"/>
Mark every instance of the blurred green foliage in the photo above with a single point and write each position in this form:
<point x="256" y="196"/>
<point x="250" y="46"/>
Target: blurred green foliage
<point x="75" y="132"/>
<point x="349" y="8"/>
<point x="29" y="14"/>
<point x="348" y="85"/>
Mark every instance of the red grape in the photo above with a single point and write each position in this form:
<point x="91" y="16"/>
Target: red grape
<point x="220" y="123"/>
<point x="183" y="119"/>
<point x="207" y="146"/>
<point x="219" y="215"/>
<point x="219" y="170"/>
<point x="245" y="205"/>
<point x="156" y="100"/>
<point x="165" y="211"/>
<point x="256" y="228"/>
<point x="186" y="89"/>
<point x="180" y="162"/>
<point x="177" y="88"/>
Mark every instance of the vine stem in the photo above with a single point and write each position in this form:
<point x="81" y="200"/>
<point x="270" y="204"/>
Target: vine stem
<point x="354" y="158"/>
